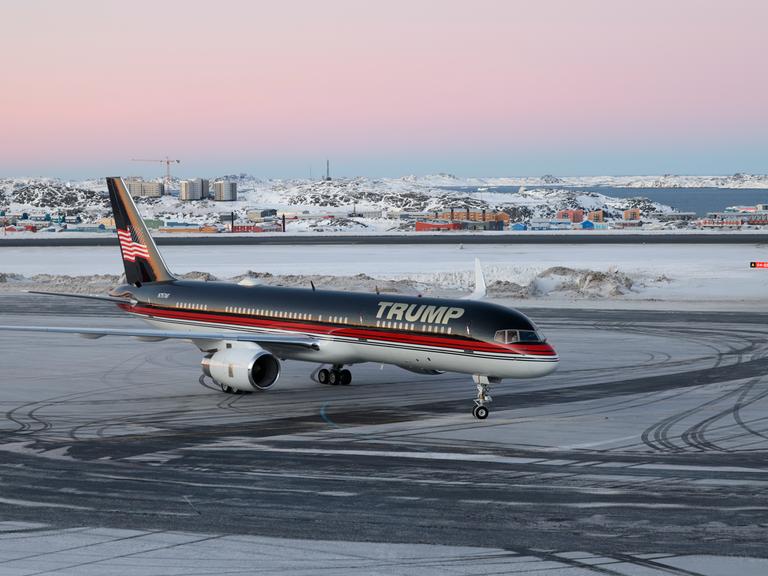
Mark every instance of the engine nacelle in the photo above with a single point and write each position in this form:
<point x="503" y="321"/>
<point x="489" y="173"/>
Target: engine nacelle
<point x="244" y="366"/>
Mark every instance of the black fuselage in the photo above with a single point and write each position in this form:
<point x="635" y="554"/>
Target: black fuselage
<point x="328" y="309"/>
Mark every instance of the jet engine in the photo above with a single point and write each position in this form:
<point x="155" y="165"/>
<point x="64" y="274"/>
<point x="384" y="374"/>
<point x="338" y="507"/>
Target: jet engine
<point x="242" y="366"/>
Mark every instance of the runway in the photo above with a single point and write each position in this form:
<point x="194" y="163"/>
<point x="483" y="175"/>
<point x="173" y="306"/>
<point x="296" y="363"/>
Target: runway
<point x="643" y="453"/>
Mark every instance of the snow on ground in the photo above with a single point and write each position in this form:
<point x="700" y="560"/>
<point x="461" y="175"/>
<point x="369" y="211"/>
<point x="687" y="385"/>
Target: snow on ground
<point x="685" y="275"/>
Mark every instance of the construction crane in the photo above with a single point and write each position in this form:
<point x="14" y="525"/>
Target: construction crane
<point x="167" y="161"/>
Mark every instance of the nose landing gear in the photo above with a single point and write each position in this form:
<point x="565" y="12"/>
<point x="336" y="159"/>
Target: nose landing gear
<point x="483" y="383"/>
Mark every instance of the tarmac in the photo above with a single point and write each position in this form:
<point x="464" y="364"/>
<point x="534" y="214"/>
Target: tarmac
<point x="645" y="453"/>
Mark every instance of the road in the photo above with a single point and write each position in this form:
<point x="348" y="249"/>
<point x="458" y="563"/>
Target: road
<point x="513" y="238"/>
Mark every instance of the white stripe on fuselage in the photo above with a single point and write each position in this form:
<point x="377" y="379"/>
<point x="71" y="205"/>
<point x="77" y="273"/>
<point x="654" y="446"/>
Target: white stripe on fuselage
<point x="352" y="350"/>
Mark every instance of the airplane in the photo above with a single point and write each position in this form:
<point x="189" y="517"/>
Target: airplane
<point x="245" y="331"/>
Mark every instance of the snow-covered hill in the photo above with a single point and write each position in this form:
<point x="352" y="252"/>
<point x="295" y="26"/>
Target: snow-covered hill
<point x="338" y="197"/>
<point x="676" y="181"/>
<point x="737" y="180"/>
<point x="51" y="195"/>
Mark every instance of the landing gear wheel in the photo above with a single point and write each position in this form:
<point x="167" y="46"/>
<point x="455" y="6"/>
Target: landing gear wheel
<point x="324" y="376"/>
<point x="345" y="377"/>
<point x="228" y="389"/>
<point x="483" y="383"/>
<point x="334" y="378"/>
<point x="480" y="412"/>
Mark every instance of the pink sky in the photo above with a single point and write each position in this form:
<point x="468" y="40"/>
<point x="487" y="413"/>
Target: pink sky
<point x="490" y="87"/>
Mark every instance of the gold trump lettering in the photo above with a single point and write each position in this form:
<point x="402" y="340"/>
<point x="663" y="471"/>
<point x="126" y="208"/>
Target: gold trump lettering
<point x="424" y="313"/>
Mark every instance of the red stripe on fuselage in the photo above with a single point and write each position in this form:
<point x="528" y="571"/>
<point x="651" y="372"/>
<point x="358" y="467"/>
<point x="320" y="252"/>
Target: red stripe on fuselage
<point x="442" y="341"/>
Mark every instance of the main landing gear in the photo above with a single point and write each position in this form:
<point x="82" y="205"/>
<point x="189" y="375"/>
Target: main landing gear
<point x="335" y="376"/>
<point x="483" y="383"/>
<point x="231" y="389"/>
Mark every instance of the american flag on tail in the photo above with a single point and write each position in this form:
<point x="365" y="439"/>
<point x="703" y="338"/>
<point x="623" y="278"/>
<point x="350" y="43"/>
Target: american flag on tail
<point x="131" y="246"/>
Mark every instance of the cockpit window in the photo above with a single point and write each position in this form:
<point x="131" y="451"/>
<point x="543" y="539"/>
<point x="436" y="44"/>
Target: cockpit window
<point x="519" y="336"/>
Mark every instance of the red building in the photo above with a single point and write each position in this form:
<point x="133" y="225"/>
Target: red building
<point x="632" y="214"/>
<point x="574" y="216"/>
<point x="264" y="227"/>
<point x="437" y="226"/>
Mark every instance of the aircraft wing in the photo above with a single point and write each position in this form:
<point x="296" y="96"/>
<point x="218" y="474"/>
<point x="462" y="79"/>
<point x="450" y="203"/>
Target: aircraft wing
<point x="267" y="340"/>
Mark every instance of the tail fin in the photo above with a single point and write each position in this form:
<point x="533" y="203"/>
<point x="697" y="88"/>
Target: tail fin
<point x="141" y="258"/>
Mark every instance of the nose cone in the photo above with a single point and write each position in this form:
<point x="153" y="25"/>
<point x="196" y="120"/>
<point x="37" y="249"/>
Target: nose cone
<point x="554" y="360"/>
<point x="541" y="359"/>
<point x="544" y="368"/>
<point x="551" y="366"/>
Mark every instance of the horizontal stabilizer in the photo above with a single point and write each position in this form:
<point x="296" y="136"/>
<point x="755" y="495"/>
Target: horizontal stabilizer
<point x="104" y="298"/>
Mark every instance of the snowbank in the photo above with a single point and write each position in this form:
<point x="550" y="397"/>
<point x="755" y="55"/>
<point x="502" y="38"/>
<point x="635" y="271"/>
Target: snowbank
<point x="714" y="275"/>
<point x="552" y="281"/>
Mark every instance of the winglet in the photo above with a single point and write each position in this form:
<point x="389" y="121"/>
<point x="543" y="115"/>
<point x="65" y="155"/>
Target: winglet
<point x="480" y="290"/>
